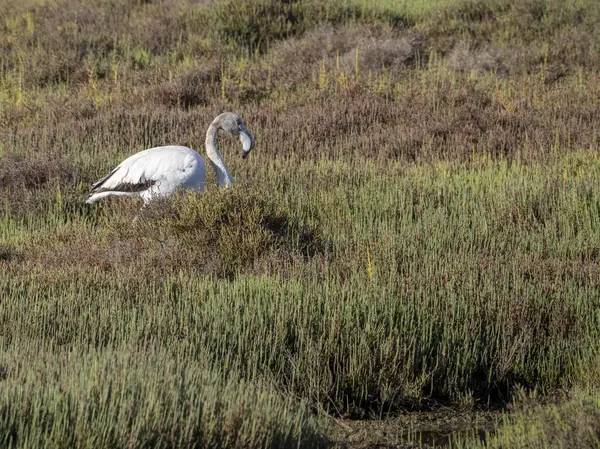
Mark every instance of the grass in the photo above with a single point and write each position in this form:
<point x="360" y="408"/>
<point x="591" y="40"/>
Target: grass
<point x="574" y="420"/>
<point x="116" y="398"/>
<point x="417" y="226"/>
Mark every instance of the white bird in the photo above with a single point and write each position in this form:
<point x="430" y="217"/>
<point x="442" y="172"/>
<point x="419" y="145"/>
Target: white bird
<point x="162" y="171"/>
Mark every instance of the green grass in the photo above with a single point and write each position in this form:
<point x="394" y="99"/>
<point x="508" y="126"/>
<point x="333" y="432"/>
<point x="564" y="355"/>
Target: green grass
<point x="416" y="10"/>
<point x="443" y="281"/>
<point x="59" y="397"/>
<point x="573" y="421"/>
<point x="418" y="225"/>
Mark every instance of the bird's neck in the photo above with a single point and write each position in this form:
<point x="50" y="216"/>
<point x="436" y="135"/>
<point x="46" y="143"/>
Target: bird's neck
<point x="216" y="160"/>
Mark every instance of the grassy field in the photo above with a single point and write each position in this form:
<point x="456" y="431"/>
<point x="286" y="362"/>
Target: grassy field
<point x="417" y="228"/>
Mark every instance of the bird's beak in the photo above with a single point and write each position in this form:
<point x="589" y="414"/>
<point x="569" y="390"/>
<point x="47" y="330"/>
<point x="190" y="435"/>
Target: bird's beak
<point x="247" y="140"/>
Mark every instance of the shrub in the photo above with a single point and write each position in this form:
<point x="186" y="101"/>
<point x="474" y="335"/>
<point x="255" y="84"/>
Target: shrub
<point x="255" y="24"/>
<point x="228" y="231"/>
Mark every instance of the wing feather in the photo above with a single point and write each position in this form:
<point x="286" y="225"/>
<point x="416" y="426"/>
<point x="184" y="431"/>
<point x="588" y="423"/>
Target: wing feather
<point x="144" y="169"/>
<point x="98" y="184"/>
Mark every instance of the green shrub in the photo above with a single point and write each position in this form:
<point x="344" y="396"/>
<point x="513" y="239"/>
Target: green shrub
<point x="230" y="231"/>
<point x="254" y="24"/>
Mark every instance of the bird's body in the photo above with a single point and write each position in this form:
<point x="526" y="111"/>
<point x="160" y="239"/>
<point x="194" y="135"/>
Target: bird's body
<point x="154" y="172"/>
<point x="162" y="171"/>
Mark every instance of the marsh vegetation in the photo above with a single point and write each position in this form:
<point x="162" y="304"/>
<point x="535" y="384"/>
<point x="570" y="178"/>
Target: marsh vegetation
<point x="418" y="226"/>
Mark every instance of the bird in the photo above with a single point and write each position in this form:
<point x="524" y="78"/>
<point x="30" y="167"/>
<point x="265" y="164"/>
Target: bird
<point x="163" y="171"/>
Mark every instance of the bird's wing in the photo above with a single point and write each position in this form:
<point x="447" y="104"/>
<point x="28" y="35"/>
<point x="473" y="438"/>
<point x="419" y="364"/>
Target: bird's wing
<point x="98" y="184"/>
<point x="144" y="169"/>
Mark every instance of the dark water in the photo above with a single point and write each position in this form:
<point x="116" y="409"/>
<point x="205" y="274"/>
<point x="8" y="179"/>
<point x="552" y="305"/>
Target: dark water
<point x="416" y="430"/>
<point x="445" y="435"/>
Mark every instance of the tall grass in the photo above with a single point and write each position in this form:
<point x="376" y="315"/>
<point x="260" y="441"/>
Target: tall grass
<point x="59" y="397"/>
<point x="572" y="422"/>
<point x="441" y="281"/>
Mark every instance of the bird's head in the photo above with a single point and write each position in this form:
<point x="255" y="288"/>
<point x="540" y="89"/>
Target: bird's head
<point x="233" y="124"/>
